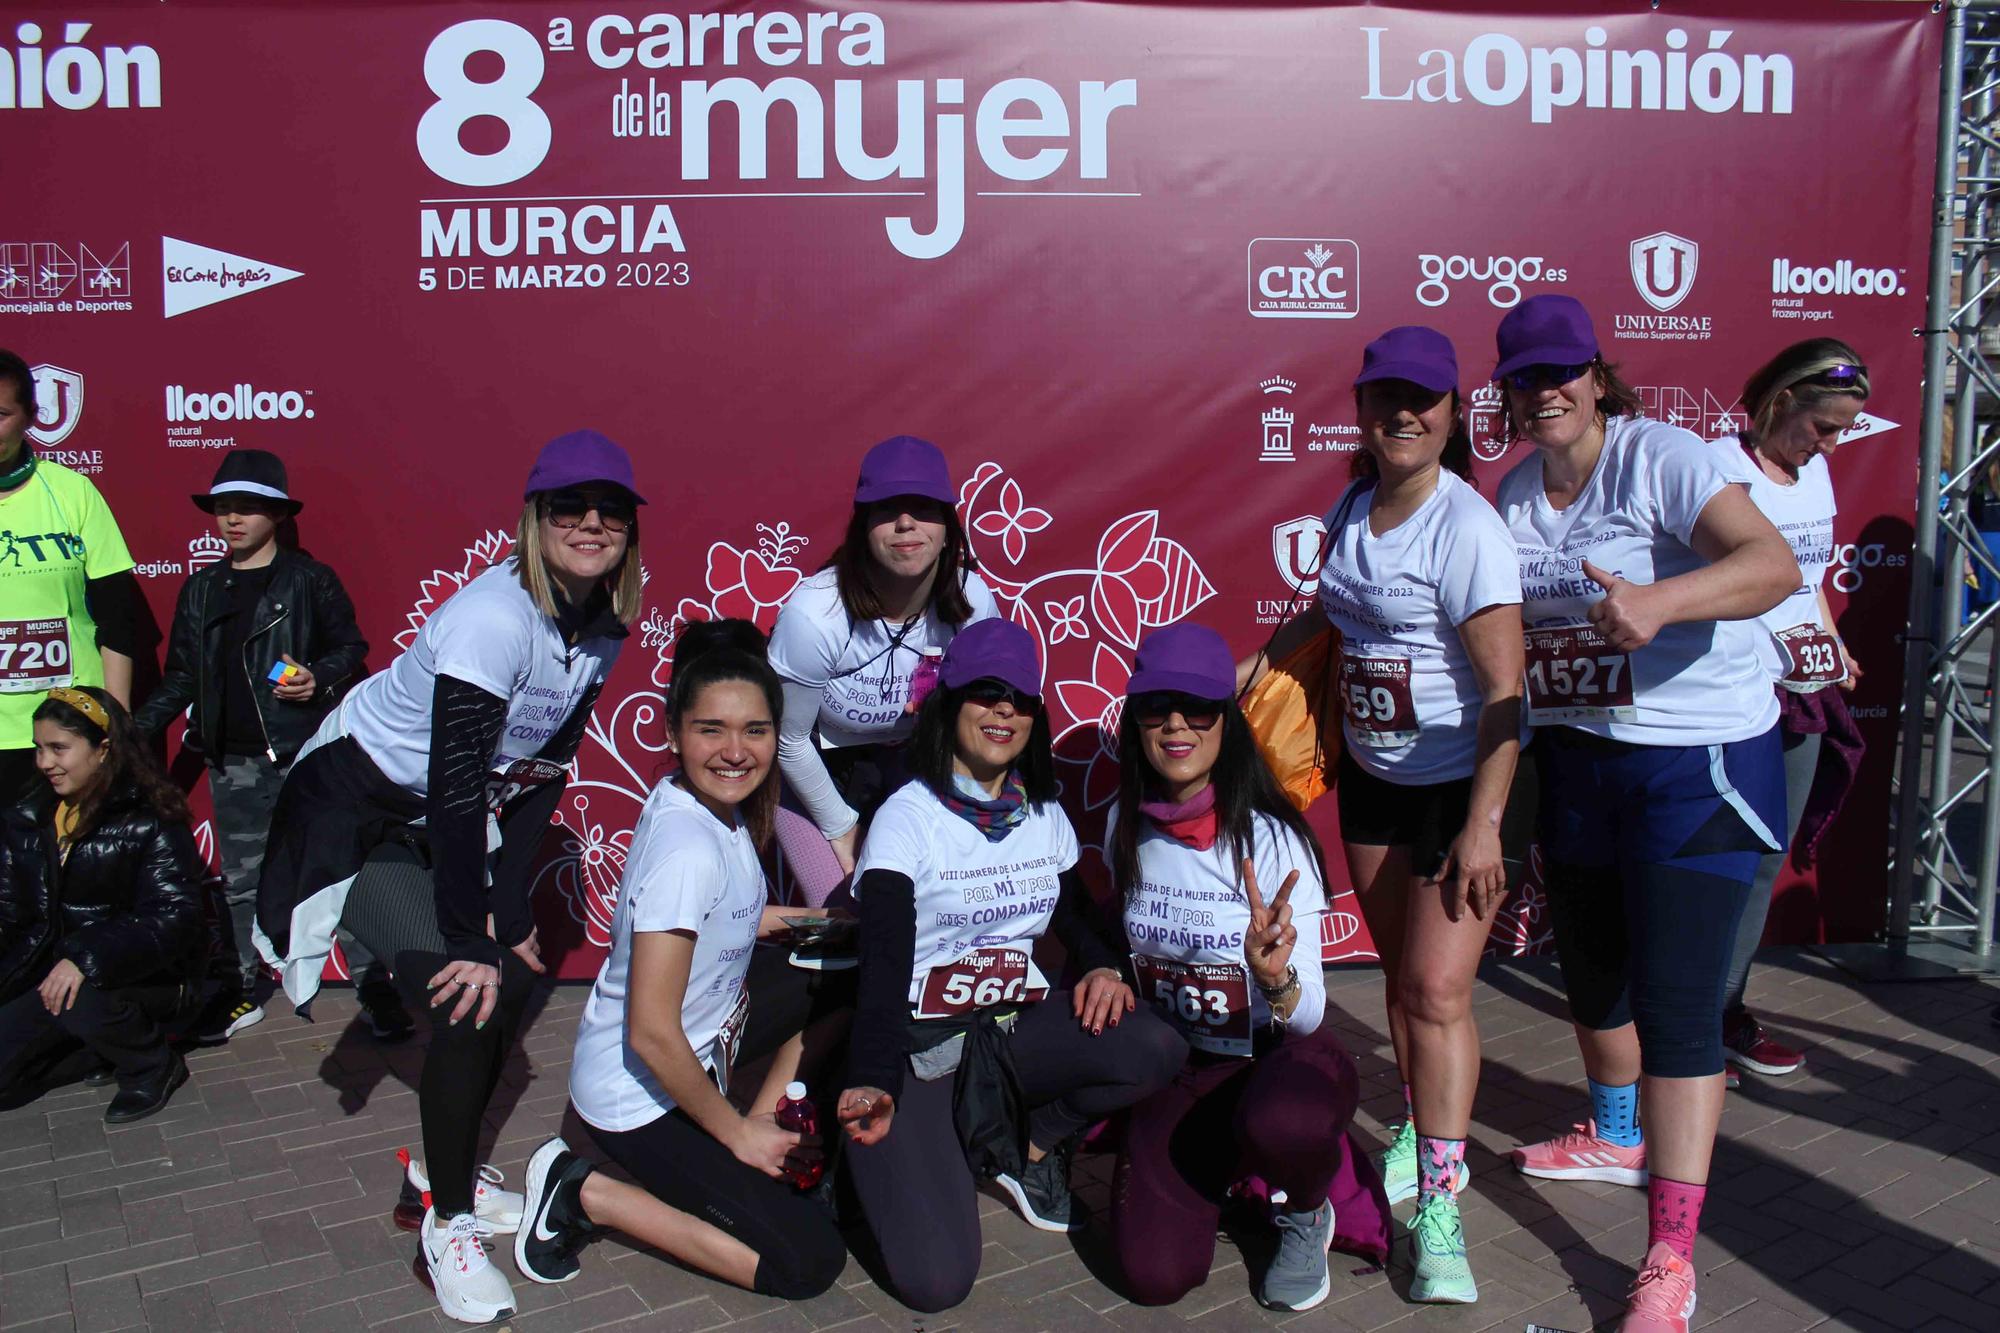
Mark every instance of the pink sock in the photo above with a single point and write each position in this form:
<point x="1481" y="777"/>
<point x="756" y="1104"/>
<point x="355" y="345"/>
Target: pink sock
<point x="1409" y="1113"/>
<point x="1674" y="1215"/>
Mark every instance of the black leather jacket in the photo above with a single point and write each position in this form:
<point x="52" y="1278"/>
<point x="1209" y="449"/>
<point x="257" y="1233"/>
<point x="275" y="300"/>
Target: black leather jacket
<point x="125" y="908"/>
<point x="305" y="613"/>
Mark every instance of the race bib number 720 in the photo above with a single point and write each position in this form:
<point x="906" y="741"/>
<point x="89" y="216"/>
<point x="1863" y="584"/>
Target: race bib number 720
<point x="34" y="655"/>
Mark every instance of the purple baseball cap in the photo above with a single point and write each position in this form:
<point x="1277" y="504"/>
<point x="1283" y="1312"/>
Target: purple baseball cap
<point x="1547" y="330"/>
<point x="1185" y="659"/>
<point x="904" y="465"/>
<point x="578" y="457"/>
<point x="1423" y="356"/>
<point x="991" y="650"/>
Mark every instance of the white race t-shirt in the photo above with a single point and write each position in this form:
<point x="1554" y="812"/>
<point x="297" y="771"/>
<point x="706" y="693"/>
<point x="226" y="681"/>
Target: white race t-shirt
<point x="1697" y="683"/>
<point x="1406" y="683"/>
<point x="1186" y="920"/>
<point x="972" y="896"/>
<point x="685" y="872"/>
<point x="864" y="669"/>
<point x="490" y="634"/>
<point x="1803" y="513"/>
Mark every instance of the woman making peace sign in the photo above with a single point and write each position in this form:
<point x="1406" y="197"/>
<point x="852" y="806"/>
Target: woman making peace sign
<point x="1267" y="1089"/>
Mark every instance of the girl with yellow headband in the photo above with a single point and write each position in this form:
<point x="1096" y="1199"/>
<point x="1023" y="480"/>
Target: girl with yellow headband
<point x="92" y="978"/>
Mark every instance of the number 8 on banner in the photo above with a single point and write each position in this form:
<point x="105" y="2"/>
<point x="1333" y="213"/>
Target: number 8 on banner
<point x="506" y="99"/>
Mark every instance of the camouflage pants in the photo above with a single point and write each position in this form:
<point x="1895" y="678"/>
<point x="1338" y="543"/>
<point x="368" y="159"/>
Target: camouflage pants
<point x="244" y="792"/>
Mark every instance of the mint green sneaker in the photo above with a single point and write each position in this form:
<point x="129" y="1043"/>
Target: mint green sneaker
<point x="1437" y="1251"/>
<point x="1397" y="1164"/>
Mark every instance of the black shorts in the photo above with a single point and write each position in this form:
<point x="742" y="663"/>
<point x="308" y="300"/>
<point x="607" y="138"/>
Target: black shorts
<point x="1378" y="813"/>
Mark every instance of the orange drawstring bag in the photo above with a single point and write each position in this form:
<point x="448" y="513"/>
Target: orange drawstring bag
<point x="1294" y="714"/>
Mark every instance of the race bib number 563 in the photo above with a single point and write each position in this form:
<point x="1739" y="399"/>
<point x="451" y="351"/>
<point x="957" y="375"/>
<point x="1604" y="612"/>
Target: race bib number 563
<point x="980" y="980"/>
<point x="1209" y="1002"/>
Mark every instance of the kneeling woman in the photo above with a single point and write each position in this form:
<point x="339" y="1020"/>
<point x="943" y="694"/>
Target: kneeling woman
<point x="101" y="934"/>
<point x="964" y="868"/>
<point x="1202" y="832"/>
<point x="670" y="1014"/>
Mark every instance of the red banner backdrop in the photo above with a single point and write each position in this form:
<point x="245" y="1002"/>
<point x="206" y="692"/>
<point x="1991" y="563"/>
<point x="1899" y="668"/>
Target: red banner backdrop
<point x="1118" y="259"/>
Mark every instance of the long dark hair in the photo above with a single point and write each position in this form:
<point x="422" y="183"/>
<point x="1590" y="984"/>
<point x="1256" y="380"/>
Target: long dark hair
<point x="853" y="571"/>
<point x="1793" y="371"/>
<point x="935" y="743"/>
<point x="1618" y="399"/>
<point x="128" y="771"/>
<point x="1244" y="789"/>
<point x="1456" y="458"/>
<point x="714" y="652"/>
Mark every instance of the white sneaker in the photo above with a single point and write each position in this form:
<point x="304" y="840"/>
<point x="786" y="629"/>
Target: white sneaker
<point x="497" y="1208"/>
<point x="468" y="1287"/>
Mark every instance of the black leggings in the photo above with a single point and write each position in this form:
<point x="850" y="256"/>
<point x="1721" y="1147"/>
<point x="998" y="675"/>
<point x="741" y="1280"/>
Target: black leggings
<point x="391" y="911"/>
<point x="918" y="1192"/>
<point x="799" y="1252"/>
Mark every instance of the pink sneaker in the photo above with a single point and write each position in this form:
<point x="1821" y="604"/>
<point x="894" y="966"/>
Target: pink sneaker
<point x="1581" y="1155"/>
<point x="1662" y="1300"/>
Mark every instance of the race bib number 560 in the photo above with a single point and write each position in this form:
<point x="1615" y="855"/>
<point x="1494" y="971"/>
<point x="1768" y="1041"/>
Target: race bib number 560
<point x="980" y="980"/>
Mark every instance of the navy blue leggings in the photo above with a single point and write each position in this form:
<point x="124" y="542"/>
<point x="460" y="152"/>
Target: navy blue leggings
<point x="1648" y="855"/>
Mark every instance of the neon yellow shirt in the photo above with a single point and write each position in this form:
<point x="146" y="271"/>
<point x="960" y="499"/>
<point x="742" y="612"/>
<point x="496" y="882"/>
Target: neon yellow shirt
<point x="55" y="533"/>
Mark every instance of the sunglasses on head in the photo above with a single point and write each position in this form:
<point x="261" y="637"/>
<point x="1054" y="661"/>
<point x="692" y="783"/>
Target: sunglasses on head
<point x="1153" y="710"/>
<point x="990" y="693"/>
<point x="566" y="509"/>
<point x="1841" y="376"/>
<point x="1529" y="378"/>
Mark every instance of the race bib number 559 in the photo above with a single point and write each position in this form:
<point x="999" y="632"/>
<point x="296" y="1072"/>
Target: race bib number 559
<point x="980" y="980"/>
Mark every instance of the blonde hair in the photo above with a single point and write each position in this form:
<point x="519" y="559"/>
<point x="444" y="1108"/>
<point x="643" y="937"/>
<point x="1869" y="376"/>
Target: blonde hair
<point x="626" y="584"/>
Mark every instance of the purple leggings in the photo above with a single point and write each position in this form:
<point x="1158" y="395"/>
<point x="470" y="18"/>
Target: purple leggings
<point x="1282" y="1116"/>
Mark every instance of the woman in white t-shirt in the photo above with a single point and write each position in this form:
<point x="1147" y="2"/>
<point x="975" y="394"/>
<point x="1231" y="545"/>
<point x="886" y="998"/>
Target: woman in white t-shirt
<point x="1419" y="578"/>
<point x="1224" y="895"/>
<point x="1642" y="569"/>
<point x="469" y="733"/>
<point x="965" y="868"/>
<point x="857" y="645"/>
<point x="671" y="1012"/>
<point x="1800" y="402"/>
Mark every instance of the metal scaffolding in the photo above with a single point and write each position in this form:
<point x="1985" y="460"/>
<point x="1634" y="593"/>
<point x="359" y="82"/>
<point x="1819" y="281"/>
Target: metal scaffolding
<point x="1947" y="834"/>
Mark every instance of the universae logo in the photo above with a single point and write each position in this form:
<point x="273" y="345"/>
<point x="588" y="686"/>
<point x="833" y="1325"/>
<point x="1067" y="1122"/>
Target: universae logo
<point x="58" y="404"/>
<point x="1298" y="548"/>
<point x="1327" y="285"/>
<point x="1663" y="268"/>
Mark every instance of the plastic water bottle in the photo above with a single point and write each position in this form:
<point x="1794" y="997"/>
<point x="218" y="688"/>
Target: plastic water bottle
<point x="796" y="1114"/>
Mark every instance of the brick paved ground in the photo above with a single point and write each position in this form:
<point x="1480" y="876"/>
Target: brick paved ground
<point x="1860" y="1195"/>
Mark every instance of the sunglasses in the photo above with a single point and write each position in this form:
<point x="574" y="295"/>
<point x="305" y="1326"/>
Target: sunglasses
<point x="991" y="693"/>
<point x="1530" y="378"/>
<point x="1153" y="710"/>
<point x="566" y="509"/>
<point x="1840" y="377"/>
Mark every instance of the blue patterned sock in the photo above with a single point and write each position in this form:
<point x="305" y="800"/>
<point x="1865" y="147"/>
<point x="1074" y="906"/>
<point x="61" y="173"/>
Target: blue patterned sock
<point x="1617" y="1113"/>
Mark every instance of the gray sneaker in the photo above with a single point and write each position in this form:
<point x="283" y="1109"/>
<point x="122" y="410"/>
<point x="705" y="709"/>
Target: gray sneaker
<point x="1298" y="1278"/>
